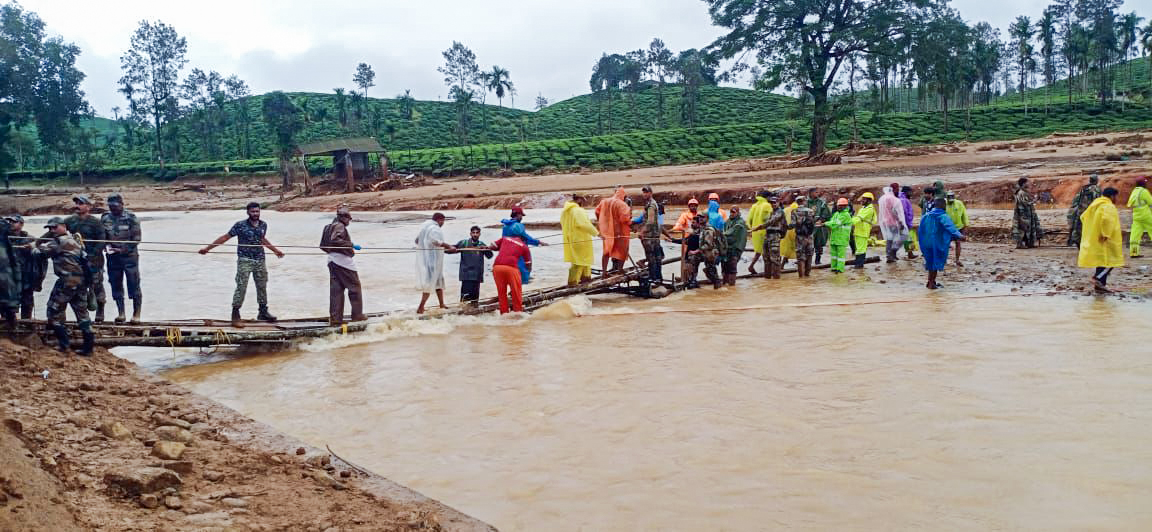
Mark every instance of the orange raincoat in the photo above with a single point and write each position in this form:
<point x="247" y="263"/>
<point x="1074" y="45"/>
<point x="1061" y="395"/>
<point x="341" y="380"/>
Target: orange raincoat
<point x="614" y="217"/>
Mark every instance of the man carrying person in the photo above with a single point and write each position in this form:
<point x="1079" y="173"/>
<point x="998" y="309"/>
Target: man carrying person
<point x="73" y="274"/>
<point x="92" y="235"/>
<point x="122" y="227"/>
<point x="471" y="266"/>
<point x="342" y="274"/>
<point x="251" y="238"/>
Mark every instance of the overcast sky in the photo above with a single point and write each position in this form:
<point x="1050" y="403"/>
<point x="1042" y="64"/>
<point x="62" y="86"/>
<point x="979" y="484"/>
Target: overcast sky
<point x="307" y="45"/>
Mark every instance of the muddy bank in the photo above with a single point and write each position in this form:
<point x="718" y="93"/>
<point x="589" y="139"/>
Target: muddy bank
<point x="97" y="444"/>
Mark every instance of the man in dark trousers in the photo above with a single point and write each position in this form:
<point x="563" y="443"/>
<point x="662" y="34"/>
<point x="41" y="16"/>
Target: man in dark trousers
<point x="342" y="275"/>
<point x="471" y="266"/>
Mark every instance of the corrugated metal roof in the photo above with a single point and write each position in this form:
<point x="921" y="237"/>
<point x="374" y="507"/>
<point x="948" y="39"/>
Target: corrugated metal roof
<point x="354" y="145"/>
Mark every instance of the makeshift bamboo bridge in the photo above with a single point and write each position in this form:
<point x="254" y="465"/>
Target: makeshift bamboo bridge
<point x="210" y="332"/>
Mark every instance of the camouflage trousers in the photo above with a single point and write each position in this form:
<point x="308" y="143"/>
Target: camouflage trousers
<point x="772" y="251"/>
<point x="96" y="291"/>
<point x="805" y="247"/>
<point x="69" y="291"/>
<point x="694" y="262"/>
<point x="259" y="272"/>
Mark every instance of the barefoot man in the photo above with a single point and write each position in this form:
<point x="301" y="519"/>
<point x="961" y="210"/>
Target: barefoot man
<point x="430" y="261"/>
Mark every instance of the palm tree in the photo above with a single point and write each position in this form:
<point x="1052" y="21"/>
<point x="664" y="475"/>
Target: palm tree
<point x="499" y="81"/>
<point x="407" y="102"/>
<point x="1146" y="44"/>
<point x="1021" y="33"/>
<point x="1046" y="31"/>
<point x="1128" y="28"/>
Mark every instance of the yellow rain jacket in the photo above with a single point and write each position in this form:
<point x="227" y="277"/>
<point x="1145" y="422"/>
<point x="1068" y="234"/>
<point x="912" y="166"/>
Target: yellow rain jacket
<point x="863" y="221"/>
<point x="1101" y="242"/>
<point x="958" y="213"/>
<point x="1140" y="201"/>
<point x="788" y="244"/>
<point x="578" y="234"/>
<point x="757" y="215"/>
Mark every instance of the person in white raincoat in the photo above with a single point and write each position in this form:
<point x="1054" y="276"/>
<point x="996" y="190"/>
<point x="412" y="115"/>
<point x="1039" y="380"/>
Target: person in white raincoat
<point x="430" y="261"/>
<point x="890" y="210"/>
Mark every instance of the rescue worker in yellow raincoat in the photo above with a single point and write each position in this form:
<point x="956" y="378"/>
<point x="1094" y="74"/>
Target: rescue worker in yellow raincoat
<point x="1101" y="241"/>
<point x="757" y="215"/>
<point x="862" y="225"/>
<point x="1140" y="201"/>
<point x="579" y="233"/>
<point x="788" y="244"/>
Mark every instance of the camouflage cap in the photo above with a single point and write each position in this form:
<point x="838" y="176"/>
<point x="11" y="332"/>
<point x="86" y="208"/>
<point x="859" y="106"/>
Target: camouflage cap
<point x="81" y="198"/>
<point x="54" y="222"/>
<point x="116" y="198"/>
<point x="14" y="218"/>
<point x="343" y="211"/>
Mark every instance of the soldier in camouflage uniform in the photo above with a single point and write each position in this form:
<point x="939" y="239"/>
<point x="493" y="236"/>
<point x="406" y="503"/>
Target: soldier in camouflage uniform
<point x="32" y="269"/>
<point x="805" y="221"/>
<point x="823" y="214"/>
<point x="1025" y="224"/>
<point x="73" y="274"/>
<point x="9" y="277"/>
<point x="713" y="247"/>
<point x="92" y="234"/>
<point x="775" y="227"/>
<point x="1088" y="193"/>
<point x="122" y="227"/>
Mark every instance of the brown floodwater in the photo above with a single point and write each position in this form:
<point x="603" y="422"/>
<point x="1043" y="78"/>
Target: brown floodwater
<point x="814" y="407"/>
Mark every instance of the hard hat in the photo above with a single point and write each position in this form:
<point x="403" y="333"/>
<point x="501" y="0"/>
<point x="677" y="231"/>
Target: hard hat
<point x="693" y="201"/>
<point x="868" y="195"/>
<point x="842" y="202"/>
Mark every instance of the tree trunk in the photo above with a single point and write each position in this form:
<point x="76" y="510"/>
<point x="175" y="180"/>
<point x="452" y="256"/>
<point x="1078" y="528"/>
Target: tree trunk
<point x="159" y="144"/>
<point x="820" y="120"/>
<point x="660" y="105"/>
<point x="944" y="102"/>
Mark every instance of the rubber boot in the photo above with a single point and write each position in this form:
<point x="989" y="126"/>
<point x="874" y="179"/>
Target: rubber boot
<point x="120" y="312"/>
<point x="99" y="313"/>
<point x="236" y="321"/>
<point x="10" y="319"/>
<point x="62" y="338"/>
<point x="264" y="315"/>
<point x="137" y="303"/>
<point x="89" y="344"/>
<point x="859" y="265"/>
<point x="25" y="312"/>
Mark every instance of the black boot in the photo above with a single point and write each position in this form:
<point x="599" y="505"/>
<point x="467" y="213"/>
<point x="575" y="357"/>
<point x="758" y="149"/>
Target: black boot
<point x="264" y="315"/>
<point x="236" y="321"/>
<point x="62" y="337"/>
<point x="859" y="262"/>
<point x="89" y="344"/>
<point x="120" y="318"/>
<point x="99" y="313"/>
<point x="10" y="319"/>
<point x="137" y="304"/>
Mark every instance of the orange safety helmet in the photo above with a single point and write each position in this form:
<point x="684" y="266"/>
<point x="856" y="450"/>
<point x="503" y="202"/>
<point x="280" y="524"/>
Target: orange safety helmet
<point x="842" y="202"/>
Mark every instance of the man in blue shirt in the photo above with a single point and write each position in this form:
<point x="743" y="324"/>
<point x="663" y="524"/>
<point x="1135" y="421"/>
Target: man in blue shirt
<point x="252" y="239"/>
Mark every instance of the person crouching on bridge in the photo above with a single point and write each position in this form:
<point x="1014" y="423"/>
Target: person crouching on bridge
<point x="73" y="276"/>
<point x="342" y="275"/>
<point x="506" y="271"/>
<point x="252" y="239"/>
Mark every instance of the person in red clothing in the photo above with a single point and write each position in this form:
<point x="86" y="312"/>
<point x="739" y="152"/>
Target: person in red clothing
<point x="506" y="272"/>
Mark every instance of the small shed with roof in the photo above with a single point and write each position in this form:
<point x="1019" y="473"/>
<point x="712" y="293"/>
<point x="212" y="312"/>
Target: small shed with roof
<point x="349" y="157"/>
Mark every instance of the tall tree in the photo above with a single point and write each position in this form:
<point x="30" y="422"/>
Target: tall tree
<point x="152" y="69"/>
<point x="499" y="82"/>
<point x="1146" y="45"/>
<point x="659" y="64"/>
<point x="283" y="118"/>
<point x="1046" y="33"/>
<point x="239" y="94"/>
<point x="806" y="42"/>
<point x="943" y="48"/>
<point x="463" y="100"/>
<point x="341" y="106"/>
<point x="607" y="75"/>
<point x="462" y="76"/>
<point x="407" y="103"/>
<point x="59" y="101"/>
<point x="1021" y="33"/>
<point x="1128" y="29"/>
<point x="541" y="102"/>
<point x="987" y="56"/>
<point x="694" y="69"/>
<point x="202" y="90"/>
<point x="631" y="73"/>
<point x="1103" y="44"/>
<point x="364" y="77"/>
<point x="21" y="42"/>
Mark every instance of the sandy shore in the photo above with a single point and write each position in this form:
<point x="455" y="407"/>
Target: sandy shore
<point x="97" y="444"/>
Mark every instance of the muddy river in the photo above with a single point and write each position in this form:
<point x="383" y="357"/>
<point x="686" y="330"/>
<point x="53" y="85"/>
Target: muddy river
<point x="824" y="404"/>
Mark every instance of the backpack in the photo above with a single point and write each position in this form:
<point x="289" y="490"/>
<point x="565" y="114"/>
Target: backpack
<point x="806" y="227"/>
